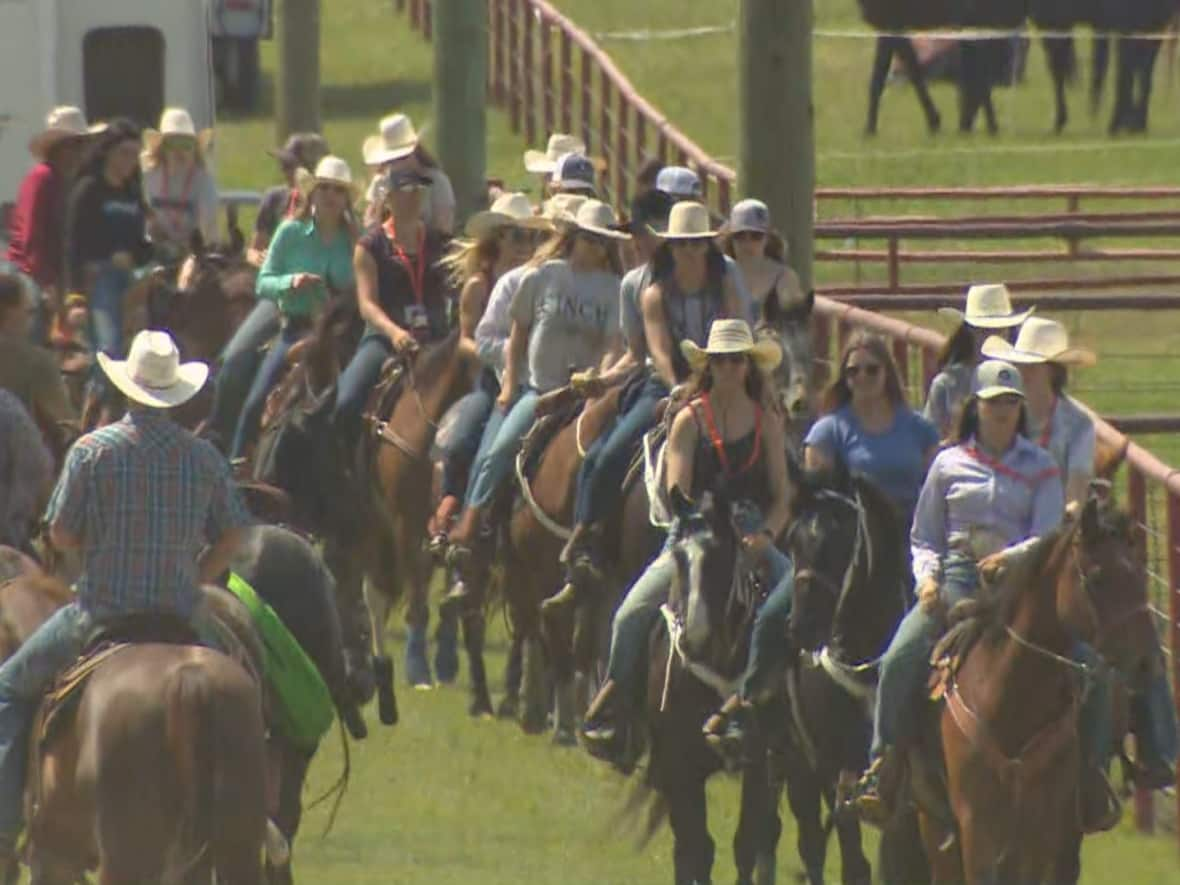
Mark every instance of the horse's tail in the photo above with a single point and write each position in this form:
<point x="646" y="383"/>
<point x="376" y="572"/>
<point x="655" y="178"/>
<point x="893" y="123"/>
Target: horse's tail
<point x="190" y="721"/>
<point x="643" y="799"/>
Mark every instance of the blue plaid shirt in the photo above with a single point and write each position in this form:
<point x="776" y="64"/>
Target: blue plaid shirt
<point x="144" y="496"/>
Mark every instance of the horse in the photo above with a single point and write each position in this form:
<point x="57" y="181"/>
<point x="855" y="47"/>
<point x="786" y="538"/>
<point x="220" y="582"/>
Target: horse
<point x="185" y="719"/>
<point x="690" y="666"/>
<point x="851" y="584"/>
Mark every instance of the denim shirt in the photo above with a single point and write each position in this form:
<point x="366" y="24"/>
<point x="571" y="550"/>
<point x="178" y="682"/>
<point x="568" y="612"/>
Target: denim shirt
<point x="970" y="501"/>
<point x="1069" y="437"/>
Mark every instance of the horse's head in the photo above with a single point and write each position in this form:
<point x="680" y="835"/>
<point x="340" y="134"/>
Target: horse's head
<point x="1113" y="579"/>
<point x="791" y="330"/>
<point x="214" y="292"/>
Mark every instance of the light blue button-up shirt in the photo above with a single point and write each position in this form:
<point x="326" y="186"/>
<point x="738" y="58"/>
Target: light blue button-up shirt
<point x="495" y="326"/>
<point x="1070" y="438"/>
<point x="968" y="497"/>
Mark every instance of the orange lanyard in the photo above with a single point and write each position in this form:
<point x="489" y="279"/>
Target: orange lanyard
<point x="719" y="444"/>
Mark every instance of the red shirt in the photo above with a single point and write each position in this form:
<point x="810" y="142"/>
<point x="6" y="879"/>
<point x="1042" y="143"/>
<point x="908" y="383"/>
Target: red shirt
<point x="35" y="231"/>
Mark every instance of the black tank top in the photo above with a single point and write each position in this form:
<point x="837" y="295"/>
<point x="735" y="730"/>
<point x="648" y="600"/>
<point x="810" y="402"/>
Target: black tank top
<point x="412" y="289"/>
<point x="740" y="465"/>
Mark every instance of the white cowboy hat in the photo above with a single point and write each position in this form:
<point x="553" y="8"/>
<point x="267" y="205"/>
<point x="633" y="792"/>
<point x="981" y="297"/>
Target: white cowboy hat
<point x="689" y="221"/>
<point x="560" y="144"/>
<point x="997" y="378"/>
<point x="989" y="306"/>
<point x="394" y="140"/>
<point x="1040" y="341"/>
<point x="512" y="208"/>
<point x="596" y="217"/>
<point x="330" y="170"/>
<point x="62" y="123"/>
<point x="733" y="336"/>
<point x="153" y="374"/>
<point x="176" y="123"/>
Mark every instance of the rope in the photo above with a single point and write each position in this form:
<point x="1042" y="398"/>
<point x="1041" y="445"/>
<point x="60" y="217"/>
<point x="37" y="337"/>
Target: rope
<point x="547" y="522"/>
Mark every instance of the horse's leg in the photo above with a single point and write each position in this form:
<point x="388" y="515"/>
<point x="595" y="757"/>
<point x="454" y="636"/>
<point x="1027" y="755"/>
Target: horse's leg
<point x="1148" y="52"/>
<point x="882" y="56"/>
<point x="688" y="815"/>
<point x="378" y="605"/>
<point x="558" y="634"/>
<point x="533" y="687"/>
<point x="1069" y="859"/>
<point x="474" y="639"/>
<point x="293" y="767"/>
<point x="759" y="826"/>
<point x="909" y="58"/>
<point x="946" y="857"/>
<point x="355" y="628"/>
<point x="509" y="707"/>
<point x="804" y="796"/>
<point x="1124" y="83"/>
<point x="1099" y="64"/>
<point x="854" y="865"/>
<point x="414" y="573"/>
<point x="1058" y="51"/>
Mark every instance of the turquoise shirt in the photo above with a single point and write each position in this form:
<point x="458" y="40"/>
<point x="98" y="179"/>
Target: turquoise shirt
<point x="298" y="248"/>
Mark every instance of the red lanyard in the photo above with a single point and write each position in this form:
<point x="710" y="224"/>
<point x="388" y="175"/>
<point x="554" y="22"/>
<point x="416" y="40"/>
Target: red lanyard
<point x="999" y="467"/>
<point x="719" y="443"/>
<point x="1048" y="430"/>
<point x="185" y="191"/>
<point x="417" y="274"/>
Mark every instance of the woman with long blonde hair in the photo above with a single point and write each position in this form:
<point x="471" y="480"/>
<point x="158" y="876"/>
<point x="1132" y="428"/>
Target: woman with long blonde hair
<point x="178" y="183"/>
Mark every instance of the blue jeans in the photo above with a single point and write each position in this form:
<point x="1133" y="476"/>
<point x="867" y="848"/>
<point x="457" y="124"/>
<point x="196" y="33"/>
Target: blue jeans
<point x="106" y="323"/>
<point x="605" y="466"/>
<point x="768" y="642"/>
<point x="463" y="438"/>
<point x="24" y="678"/>
<point x="500" y="443"/>
<point x="640" y="610"/>
<point x="906" y="664"/>
<point x="265" y="379"/>
<point x="1153" y="716"/>
<point x="239" y="364"/>
<point x="355" y="384"/>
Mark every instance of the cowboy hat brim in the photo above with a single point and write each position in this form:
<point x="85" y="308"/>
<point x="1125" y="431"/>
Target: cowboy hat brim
<point x="190" y="378"/>
<point x="1004" y="322"/>
<point x="997" y="348"/>
<point x="377" y="154"/>
<point x="703" y="235"/>
<point x="539" y="162"/>
<point x="765" y="353"/>
<point x="614" y="233"/>
<point x="482" y="223"/>
<point x="153" y="138"/>
<point x="41" y="143"/>
<point x="306" y="183"/>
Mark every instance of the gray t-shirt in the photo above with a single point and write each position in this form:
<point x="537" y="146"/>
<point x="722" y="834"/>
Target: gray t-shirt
<point x="948" y="390"/>
<point x="574" y="319"/>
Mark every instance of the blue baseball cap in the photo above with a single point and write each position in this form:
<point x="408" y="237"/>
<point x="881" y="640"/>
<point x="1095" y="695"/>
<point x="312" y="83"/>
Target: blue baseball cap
<point x="574" y="172"/>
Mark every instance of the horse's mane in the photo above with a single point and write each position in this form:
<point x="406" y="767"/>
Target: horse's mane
<point x="431" y="361"/>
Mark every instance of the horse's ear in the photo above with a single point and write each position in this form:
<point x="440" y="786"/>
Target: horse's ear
<point x="237" y="241"/>
<point x="1091" y="519"/>
<point x="1108" y="459"/>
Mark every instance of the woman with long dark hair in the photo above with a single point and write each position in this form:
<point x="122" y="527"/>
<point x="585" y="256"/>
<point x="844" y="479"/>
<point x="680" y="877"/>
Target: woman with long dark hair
<point x="722" y="437"/>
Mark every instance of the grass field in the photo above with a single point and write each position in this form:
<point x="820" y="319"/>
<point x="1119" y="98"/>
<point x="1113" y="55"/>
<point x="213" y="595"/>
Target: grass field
<point x="441" y="799"/>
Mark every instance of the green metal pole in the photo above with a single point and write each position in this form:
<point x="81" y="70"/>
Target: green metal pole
<point x="297" y="39"/>
<point x="776" y="158"/>
<point x="460" y="96"/>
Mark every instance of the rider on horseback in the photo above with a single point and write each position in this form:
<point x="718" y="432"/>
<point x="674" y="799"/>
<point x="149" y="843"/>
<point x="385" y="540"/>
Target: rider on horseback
<point x="138" y="499"/>
<point x="985" y="501"/>
<point x="721" y="438"/>
<point x="690" y="288"/>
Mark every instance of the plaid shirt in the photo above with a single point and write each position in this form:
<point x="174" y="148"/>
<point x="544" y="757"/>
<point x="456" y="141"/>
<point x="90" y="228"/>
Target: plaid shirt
<point x="144" y="496"/>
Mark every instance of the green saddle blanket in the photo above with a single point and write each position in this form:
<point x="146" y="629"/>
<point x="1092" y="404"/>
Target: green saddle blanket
<point x="304" y="705"/>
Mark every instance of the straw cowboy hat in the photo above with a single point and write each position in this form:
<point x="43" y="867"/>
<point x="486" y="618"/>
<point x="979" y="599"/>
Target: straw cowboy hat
<point x="61" y="123"/>
<point x="997" y="378"/>
<point x="596" y="217"/>
<point x="560" y="144"/>
<point x="513" y="208"/>
<point x="176" y="123"/>
<point x="689" y="221"/>
<point x="989" y="306"/>
<point x="733" y="336"/>
<point x="1040" y="341"/>
<point x="330" y="170"/>
<point x="395" y="139"/>
<point x="153" y="374"/>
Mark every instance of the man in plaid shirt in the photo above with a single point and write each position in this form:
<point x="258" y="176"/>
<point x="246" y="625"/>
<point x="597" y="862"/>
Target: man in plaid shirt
<point x="152" y="511"/>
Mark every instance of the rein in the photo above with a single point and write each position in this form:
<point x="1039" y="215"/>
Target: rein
<point x="383" y="431"/>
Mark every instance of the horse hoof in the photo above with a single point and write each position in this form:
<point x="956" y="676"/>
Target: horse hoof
<point x="564" y="737"/>
<point x="386" y="699"/>
<point x="278" y="849"/>
<point x="480" y="708"/>
<point x="534" y="723"/>
<point x="509" y="708"/>
<point x="354" y="722"/>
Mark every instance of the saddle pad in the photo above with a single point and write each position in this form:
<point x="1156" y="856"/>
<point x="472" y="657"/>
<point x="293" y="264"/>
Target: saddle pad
<point x="61" y="701"/>
<point x="304" y="705"/>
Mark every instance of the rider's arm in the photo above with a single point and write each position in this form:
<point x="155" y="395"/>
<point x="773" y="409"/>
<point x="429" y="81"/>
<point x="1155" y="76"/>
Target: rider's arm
<point x="471" y="302"/>
<point x="518" y="346"/>
<point x="364" y="268"/>
<point x="66" y="512"/>
<point x="214" y="560"/>
<point x="775" y="445"/>
<point x="1080" y="465"/>
<point x="659" y="340"/>
<point x="928" y="537"/>
<point x="820" y="446"/>
<point x="277" y="275"/>
<point x="682" y="443"/>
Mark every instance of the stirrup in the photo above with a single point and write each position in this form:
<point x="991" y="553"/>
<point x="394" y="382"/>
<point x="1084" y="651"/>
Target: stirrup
<point x="865" y="800"/>
<point x="561" y="600"/>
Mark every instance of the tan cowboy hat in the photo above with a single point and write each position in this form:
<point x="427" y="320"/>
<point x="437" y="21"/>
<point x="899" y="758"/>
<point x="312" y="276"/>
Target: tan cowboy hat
<point x="733" y="336"/>
<point x="689" y="220"/>
<point x="989" y="306"/>
<point x="513" y="208"/>
<point x="560" y="144"/>
<point x="997" y="378"/>
<point x="330" y="170"/>
<point x="1040" y="341"/>
<point x="562" y="207"/>
<point x="596" y="217"/>
<point x="176" y="123"/>
<point x="62" y="123"/>
<point x="153" y="374"/>
<point x="395" y="139"/>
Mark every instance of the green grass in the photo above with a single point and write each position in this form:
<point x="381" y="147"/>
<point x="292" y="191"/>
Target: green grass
<point x="442" y="799"/>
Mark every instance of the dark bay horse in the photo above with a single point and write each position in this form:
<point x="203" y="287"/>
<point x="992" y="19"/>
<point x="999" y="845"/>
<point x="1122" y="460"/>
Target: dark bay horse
<point x="851" y="584"/>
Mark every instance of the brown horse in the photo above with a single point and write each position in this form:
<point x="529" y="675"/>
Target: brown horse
<point x="185" y="720"/>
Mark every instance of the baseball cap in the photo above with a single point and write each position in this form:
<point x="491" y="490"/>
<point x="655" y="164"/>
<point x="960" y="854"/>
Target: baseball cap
<point x="749" y="215"/>
<point x="303" y="149"/>
<point x="679" y="181"/>
<point x="997" y="378"/>
<point x="650" y="210"/>
<point x="574" y="171"/>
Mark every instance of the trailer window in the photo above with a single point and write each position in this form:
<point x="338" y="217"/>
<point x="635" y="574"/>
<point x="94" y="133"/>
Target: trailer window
<point x="124" y="74"/>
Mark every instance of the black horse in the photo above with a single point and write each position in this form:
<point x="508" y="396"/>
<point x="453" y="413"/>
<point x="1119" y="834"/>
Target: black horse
<point x="851" y="589"/>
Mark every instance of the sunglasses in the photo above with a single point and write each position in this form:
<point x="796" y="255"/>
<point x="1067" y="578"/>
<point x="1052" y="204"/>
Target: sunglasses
<point x="755" y="236"/>
<point x="594" y="239"/>
<point x="1004" y="399"/>
<point x="689" y="244"/>
<point x="520" y="236"/>
<point x="871" y="370"/>
<point x="728" y="358"/>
